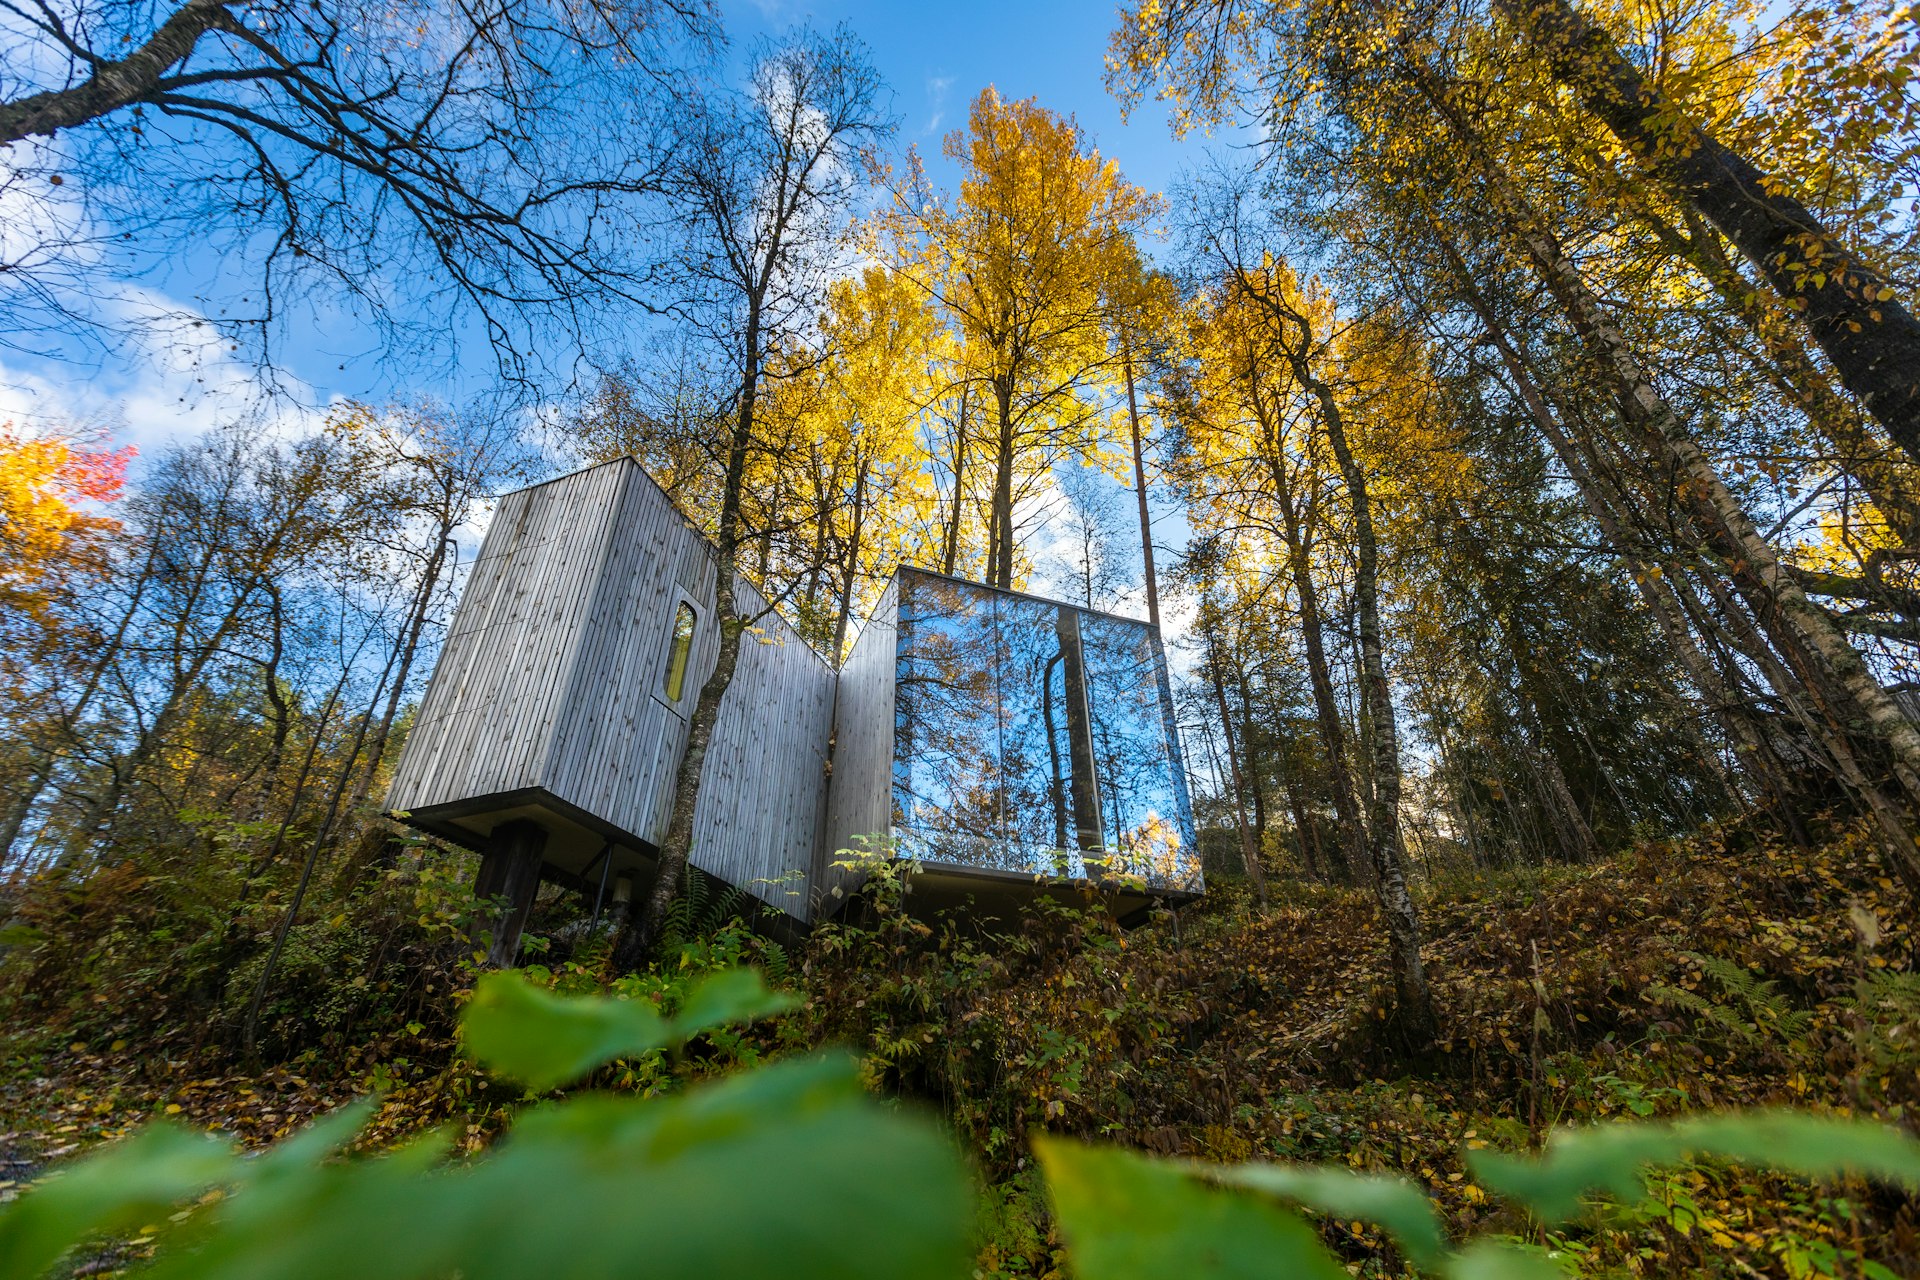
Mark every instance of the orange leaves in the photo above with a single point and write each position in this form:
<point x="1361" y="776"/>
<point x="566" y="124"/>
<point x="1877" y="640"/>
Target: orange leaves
<point x="42" y="481"/>
<point x="98" y="476"/>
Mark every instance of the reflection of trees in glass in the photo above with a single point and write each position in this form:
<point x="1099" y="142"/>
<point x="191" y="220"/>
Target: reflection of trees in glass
<point x="1052" y="801"/>
<point x="1132" y="751"/>
<point x="947" y="766"/>
<point x="1032" y="738"/>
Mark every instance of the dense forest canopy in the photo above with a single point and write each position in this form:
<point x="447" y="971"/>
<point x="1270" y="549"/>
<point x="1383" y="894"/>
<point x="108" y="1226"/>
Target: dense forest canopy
<point x="1510" y="415"/>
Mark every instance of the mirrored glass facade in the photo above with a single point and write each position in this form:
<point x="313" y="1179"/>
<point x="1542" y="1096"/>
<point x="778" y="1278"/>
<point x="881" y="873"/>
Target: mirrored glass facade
<point x="1034" y="737"/>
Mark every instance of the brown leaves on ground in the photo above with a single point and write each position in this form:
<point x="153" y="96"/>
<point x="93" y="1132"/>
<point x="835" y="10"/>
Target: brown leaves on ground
<point x="1565" y="996"/>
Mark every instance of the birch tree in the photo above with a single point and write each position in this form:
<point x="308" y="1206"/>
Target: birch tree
<point x="764" y="190"/>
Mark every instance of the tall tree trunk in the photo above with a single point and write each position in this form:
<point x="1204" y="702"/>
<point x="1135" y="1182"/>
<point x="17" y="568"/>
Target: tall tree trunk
<point x="1386" y="854"/>
<point x="416" y="625"/>
<point x="1256" y="784"/>
<point x="817" y="565"/>
<point x="1249" y="852"/>
<point x="951" y="552"/>
<point x="851" y="568"/>
<point x="1146" y="522"/>
<point x="1000" y="560"/>
<point x="1828" y="734"/>
<point x="1326" y="706"/>
<point x="315" y="849"/>
<point x="1571" y="830"/>
<point x="648" y="917"/>
<point x="147" y="740"/>
<point x="1306" y="832"/>
<point x="1849" y="307"/>
<point x="69" y="719"/>
<point x="279" y="710"/>
<point x="233" y="945"/>
<point x="1726" y="684"/>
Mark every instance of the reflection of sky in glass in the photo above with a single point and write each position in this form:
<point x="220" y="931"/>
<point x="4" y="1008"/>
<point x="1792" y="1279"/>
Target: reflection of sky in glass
<point x="1143" y="805"/>
<point x="987" y="737"/>
<point x="947" y="784"/>
<point x="1038" y="754"/>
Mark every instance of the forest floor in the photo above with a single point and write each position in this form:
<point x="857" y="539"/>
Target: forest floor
<point x="1720" y="971"/>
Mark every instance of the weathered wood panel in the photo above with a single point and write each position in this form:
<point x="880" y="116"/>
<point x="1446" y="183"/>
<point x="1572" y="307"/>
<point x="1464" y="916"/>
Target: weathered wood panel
<point x="860" y="799"/>
<point x="764" y="785"/>
<point x="606" y="757"/>
<point x="553" y="677"/>
<point x="484" y="720"/>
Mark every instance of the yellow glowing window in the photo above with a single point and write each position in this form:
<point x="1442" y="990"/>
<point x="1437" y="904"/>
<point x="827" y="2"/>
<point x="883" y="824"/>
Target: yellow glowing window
<point x="682" y="647"/>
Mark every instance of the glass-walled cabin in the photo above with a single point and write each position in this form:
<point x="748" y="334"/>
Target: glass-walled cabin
<point x="1035" y="737"/>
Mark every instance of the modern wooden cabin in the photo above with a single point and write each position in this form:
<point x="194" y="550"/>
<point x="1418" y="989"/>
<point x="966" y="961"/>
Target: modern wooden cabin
<point x="1006" y="742"/>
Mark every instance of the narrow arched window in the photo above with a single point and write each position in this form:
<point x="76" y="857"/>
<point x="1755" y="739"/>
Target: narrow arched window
<point x="677" y="656"/>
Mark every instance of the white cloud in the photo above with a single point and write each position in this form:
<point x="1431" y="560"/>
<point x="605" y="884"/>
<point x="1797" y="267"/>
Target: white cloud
<point x="168" y="377"/>
<point x="938" y="87"/>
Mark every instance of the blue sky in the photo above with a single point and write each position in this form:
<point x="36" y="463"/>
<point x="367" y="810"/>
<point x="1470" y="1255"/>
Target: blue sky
<point x="939" y="56"/>
<point x="935" y="57"/>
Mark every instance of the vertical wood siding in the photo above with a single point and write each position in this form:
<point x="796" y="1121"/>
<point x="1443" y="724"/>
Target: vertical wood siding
<point x="765" y="778"/>
<point x="553" y="676"/>
<point x="486" y="720"/>
<point x="615" y="753"/>
<point x="860" y="801"/>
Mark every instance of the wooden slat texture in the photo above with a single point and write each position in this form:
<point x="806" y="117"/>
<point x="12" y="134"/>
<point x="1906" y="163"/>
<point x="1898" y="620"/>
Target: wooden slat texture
<point x="553" y="677"/>
<point x="860" y="801"/>
<point x="765" y="779"/>
<point x="484" y="723"/>
<point x="607" y="757"/>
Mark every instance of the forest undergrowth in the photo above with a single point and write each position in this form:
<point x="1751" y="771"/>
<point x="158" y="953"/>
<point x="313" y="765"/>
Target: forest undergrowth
<point x="1728" y="970"/>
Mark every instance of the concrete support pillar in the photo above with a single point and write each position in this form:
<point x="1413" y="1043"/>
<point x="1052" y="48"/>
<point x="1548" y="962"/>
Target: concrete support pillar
<point x="510" y="869"/>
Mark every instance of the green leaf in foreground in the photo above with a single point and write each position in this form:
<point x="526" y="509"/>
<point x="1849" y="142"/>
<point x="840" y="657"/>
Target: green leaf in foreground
<point x="1128" y="1217"/>
<point x="728" y="998"/>
<point x="117" y="1189"/>
<point x="1609" y="1158"/>
<point x="1393" y="1203"/>
<point x="1501" y="1260"/>
<point x="790" y="1171"/>
<point x="544" y="1040"/>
